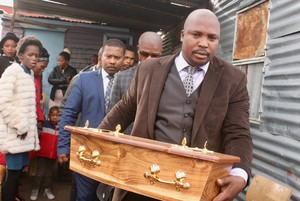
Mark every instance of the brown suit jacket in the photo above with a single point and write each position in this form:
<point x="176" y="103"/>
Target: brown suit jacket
<point x="222" y="113"/>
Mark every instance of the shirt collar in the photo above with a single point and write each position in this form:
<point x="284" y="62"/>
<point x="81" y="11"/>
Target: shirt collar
<point x="104" y="73"/>
<point x="27" y="71"/>
<point x="181" y="63"/>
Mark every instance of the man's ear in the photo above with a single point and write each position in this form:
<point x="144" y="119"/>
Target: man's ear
<point x="181" y="35"/>
<point x="20" y="56"/>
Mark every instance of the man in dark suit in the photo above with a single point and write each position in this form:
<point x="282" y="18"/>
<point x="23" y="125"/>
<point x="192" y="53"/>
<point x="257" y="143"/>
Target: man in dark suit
<point x="149" y="46"/>
<point x="214" y="108"/>
<point x="88" y="98"/>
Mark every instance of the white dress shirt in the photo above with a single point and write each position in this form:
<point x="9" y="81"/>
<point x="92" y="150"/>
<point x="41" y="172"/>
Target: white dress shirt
<point x="198" y="75"/>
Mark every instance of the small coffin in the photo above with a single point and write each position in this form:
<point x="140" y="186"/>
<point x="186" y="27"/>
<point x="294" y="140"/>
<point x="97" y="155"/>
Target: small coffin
<point x="151" y="168"/>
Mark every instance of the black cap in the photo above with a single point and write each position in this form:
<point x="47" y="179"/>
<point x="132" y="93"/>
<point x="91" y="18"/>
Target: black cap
<point x="8" y="35"/>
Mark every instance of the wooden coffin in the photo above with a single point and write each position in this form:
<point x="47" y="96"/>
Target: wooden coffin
<point x="155" y="169"/>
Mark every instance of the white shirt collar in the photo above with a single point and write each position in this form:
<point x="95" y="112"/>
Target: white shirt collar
<point x="181" y="63"/>
<point x="104" y="73"/>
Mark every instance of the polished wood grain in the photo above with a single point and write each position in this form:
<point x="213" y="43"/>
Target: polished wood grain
<point x="125" y="159"/>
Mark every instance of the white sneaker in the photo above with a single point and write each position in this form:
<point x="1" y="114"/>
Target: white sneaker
<point x="49" y="194"/>
<point x="34" y="194"/>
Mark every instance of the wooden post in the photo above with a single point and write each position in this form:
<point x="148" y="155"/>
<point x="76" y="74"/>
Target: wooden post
<point x="12" y="22"/>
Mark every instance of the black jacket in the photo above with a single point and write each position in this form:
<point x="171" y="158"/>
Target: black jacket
<point x="59" y="79"/>
<point x="4" y="63"/>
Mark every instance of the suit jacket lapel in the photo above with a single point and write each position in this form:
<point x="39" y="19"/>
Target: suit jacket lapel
<point x="160" y="73"/>
<point x="99" y="88"/>
<point x="208" y="88"/>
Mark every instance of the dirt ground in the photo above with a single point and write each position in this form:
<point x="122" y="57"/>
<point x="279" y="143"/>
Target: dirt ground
<point x="61" y="183"/>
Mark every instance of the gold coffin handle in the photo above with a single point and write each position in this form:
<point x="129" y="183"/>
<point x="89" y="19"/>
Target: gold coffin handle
<point x="93" y="161"/>
<point x="178" y="183"/>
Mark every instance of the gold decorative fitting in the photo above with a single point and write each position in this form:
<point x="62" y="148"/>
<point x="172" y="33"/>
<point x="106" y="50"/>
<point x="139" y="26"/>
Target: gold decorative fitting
<point x="178" y="183"/>
<point x="204" y="150"/>
<point x="118" y="128"/>
<point x="93" y="161"/>
<point x="116" y="132"/>
<point x="183" y="146"/>
<point x="86" y="125"/>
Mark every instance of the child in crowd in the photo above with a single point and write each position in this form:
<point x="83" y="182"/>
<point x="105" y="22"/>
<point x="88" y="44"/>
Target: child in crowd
<point x="18" y="130"/>
<point x="46" y="156"/>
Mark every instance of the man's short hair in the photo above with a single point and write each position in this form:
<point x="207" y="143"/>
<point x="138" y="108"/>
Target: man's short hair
<point x="130" y="48"/>
<point x="115" y="43"/>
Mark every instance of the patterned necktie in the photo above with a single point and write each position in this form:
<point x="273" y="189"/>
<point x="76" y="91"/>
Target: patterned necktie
<point x="107" y="93"/>
<point x="188" y="81"/>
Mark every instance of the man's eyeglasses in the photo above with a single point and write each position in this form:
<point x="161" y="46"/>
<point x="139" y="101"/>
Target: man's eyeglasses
<point x="146" y="54"/>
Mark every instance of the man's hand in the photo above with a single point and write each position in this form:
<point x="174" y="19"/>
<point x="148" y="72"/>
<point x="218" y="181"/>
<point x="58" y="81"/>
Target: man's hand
<point x="63" y="158"/>
<point x="68" y="80"/>
<point x="23" y="136"/>
<point x="231" y="186"/>
<point x="40" y="127"/>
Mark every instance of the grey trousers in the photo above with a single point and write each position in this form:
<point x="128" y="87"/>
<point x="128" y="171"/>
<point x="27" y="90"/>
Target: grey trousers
<point x="43" y="176"/>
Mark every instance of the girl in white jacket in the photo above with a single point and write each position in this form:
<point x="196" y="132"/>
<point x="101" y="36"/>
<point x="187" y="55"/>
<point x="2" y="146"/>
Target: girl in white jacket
<point x="18" y="131"/>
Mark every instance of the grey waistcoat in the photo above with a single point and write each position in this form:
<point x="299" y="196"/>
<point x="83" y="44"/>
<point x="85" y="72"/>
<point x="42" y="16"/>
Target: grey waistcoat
<point x="176" y="111"/>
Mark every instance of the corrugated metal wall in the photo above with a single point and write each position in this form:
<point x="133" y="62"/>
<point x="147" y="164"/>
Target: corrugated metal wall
<point x="226" y="12"/>
<point x="171" y="40"/>
<point x="83" y="42"/>
<point x="281" y="95"/>
<point x="276" y="136"/>
<point x="18" y="30"/>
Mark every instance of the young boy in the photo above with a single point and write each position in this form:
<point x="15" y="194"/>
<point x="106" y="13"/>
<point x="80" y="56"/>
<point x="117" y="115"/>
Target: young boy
<point x="46" y="155"/>
<point x="18" y="131"/>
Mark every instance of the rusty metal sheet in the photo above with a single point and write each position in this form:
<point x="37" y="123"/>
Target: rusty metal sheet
<point x="251" y="31"/>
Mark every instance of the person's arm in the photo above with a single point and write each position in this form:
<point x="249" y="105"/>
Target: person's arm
<point x="55" y="78"/>
<point x="236" y="127"/>
<point x="9" y="111"/>
<point x="237" y="141"/>
<point x="39" y="111"/>
<point x="69" y="73"/>
<point x="40" y="117"/>
<point x="73" y="73"/>
<point x="67" y="94"/>
<point x="69" y="116"/>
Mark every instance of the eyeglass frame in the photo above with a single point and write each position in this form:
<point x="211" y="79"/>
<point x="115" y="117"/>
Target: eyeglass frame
<point x="147" y="54"/>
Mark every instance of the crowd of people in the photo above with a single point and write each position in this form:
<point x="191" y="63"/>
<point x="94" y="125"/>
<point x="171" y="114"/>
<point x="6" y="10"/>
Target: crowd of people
<point x="194" y="95"/>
